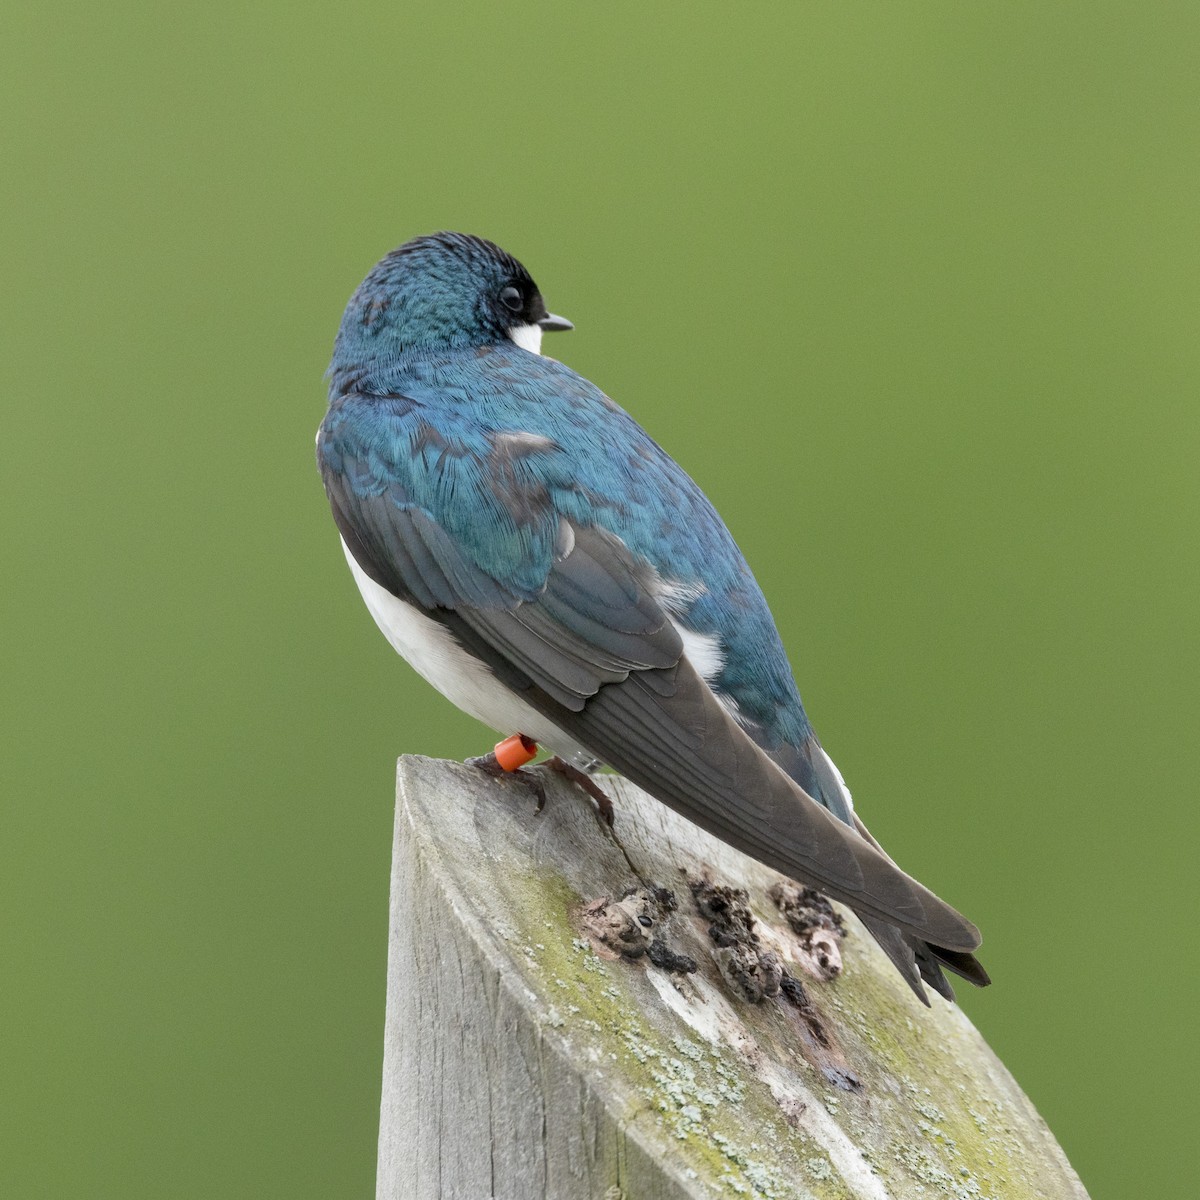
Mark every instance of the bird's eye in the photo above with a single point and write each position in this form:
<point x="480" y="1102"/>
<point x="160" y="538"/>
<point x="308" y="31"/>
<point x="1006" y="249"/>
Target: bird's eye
<point x="512" y="299"/>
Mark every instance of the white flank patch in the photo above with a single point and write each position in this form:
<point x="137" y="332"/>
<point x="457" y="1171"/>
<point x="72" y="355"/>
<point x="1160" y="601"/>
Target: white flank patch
<point x="430" y="649"/>
<point x="675" y="596"/>
<point x="528" y="337"/>
<point x="702" y="650"/>
<point x="838" y="776"/>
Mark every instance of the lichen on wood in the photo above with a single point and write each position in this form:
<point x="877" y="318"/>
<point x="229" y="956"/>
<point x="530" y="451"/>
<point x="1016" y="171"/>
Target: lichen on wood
<point x="643" y="1012"/>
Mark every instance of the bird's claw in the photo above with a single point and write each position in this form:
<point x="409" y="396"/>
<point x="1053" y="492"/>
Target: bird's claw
<point x="584" y="780"/>
<point x="520" y="749"/>
<point x="490" y="764"/>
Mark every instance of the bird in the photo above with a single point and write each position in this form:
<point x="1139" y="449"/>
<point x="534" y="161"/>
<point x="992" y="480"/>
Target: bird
<point x="541" y="561"/>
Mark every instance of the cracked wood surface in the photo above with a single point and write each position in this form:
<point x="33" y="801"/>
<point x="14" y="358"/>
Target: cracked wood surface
<point x="547" y="1037"/>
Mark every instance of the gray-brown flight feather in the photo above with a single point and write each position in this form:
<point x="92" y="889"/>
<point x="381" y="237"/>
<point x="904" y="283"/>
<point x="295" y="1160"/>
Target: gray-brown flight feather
<point x="596" y="653"/>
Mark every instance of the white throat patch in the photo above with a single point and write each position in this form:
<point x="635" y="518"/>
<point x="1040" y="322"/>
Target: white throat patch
<point x="528" y="337"/>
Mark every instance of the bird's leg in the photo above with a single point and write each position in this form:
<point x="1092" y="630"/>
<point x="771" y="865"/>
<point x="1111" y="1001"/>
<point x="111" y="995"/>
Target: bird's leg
<point x="585" y="781"/>
<point x="507" y="759"/>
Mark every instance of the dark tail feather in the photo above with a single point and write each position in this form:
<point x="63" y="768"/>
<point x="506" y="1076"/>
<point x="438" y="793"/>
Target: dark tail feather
<point x="966" y="966"/>
<point x="917" y="960"/>
<point x="905" y="958"/>
<point x="931" y="969"/>
<point x="911" y="955"/>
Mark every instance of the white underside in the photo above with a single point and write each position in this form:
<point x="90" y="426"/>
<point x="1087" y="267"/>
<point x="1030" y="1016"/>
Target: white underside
<point x="430" y="649"/>
<point x="468" y="683"/>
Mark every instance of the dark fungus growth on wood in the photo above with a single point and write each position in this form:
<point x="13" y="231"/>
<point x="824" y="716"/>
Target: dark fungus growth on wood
<point x="630" y="925"/>
<point x="814" y="921"/>
<point x="753" y="971"/>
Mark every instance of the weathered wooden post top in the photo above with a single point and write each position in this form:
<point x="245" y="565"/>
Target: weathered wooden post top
<point x="643" y="1013"/>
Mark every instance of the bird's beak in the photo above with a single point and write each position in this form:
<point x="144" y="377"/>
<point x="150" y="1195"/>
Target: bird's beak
<point x="552" y="324"/>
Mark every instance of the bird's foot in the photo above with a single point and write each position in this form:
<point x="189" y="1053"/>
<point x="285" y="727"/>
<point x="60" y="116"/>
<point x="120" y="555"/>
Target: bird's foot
<point x="507" y="759"/>
<point x="589" y="785"/>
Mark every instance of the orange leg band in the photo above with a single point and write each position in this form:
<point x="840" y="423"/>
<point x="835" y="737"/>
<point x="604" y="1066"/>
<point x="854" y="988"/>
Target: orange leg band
<point x="516" y="751"/>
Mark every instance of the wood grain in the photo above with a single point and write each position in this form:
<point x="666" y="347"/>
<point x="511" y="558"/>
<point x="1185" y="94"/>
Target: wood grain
<point x="525" y="1057"/>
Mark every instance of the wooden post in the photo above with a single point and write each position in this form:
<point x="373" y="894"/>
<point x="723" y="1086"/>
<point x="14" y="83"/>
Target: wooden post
<point x="575" y="1012"/>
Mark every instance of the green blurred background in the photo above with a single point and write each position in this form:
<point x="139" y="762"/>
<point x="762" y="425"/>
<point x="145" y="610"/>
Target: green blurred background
<point x="911" y="289"/>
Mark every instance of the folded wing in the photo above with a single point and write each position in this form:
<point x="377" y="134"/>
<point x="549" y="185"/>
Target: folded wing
<point x="597" y="654"/>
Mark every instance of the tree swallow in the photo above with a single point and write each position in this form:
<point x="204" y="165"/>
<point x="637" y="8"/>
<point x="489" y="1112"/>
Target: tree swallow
<point x="541" y="561"/>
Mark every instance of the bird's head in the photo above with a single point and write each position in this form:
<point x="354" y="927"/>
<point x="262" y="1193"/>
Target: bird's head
<point x="444" y="291"/>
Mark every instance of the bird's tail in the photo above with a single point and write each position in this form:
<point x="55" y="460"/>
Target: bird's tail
<point x="916" y="960"/>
